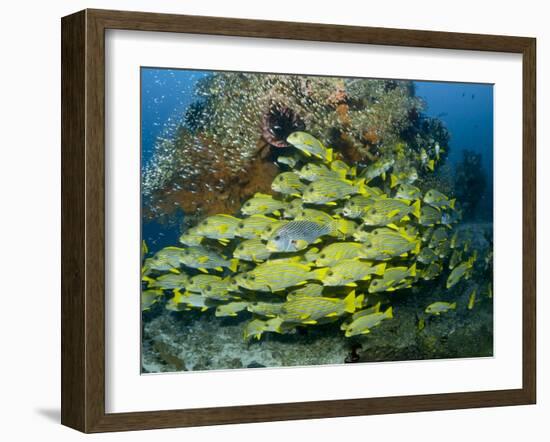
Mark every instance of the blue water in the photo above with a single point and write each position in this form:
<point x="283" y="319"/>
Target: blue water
<point x="166" y="94"/>
<point x="467" y="111"/>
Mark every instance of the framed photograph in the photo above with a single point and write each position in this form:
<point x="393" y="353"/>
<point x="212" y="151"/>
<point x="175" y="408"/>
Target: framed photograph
<point x="267" y="221"/>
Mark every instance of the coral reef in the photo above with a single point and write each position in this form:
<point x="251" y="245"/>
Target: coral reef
<point x="242" y="119"/>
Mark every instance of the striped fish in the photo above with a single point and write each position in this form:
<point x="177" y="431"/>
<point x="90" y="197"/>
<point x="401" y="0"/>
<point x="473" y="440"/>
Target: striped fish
<point x="297" y="235"/>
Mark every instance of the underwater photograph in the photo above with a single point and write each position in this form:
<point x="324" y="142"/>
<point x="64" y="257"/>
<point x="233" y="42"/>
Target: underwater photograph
<point x="297" y="220"/>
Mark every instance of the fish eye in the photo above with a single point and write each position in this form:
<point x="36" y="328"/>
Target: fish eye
<point x="247" y="204"/>
<point x="352" y="203"/>
<point x="330" y="273"/>
<point x="373" y="211"/>
<point x="241" y="225"/>
<point x="252" y="277"/>
<point x="374" y="282"/>
<point x="208" y="288"/>
<point x="369" y="246"/>
<point x="375" y="232"/>
<point x="269" y="229"/>
<point x="322" y="256"/>
<point x="241" y="247"/>
<point x="186" y="252"/>
<point x="278" y="237"/>
<point x="281" y="178"/>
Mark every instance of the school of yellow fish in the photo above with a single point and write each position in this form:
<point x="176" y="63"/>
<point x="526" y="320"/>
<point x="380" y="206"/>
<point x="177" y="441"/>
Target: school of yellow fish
<point x="332" y="243"/>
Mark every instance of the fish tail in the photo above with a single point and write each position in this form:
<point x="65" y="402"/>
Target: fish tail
<point x="416" y="250"/>
<point x="389" y="313"/>
<point x="453" y="305"/>
<point x="233" y="265"/>
<point x="329" y="155"/>
<point x="412" y="270"/>
<point x="452" y="203"/>
<point x="349" y="302"/>
<point x="380" y="269"/>
<point x="416" y="209"/>
<point x="319" y="274"/>
<point x="393" y="181"/>
<point x="359" y="301"/>
<point x="431" y="165"/>
<point x="361" y="186"/>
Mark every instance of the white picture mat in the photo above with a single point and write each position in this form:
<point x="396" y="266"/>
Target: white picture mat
<point x="127" y="390"/>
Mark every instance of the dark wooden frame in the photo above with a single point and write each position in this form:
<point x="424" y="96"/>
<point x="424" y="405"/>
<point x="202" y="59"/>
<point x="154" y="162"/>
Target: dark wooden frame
<point x="83" y="216"/>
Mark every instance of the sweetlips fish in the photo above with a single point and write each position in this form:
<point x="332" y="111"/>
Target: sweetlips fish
<point x="231" y="308"/>
<point x="268" y="231"/>
<point x="439" y="235"/>
<point x="463" y="269"/>
<point x="408" y="192"/>
<point x="377" y="169"/>
<point x="257" y="327"/>
<point x="273" y="276"/>
<point x="252" y="250"/>
<point x="293" y="208"/>
<point x="329" y="190"/>
<point x="266" y="309"/>
<point x="310" y="289"/>
<point x="191" y="237"/>
<point x="297" y="235"/>
<point x="290" y="160"/>
<point x="394" y="278"/>
<point x="435" y="198"/>
<point x="432" y="271"/>
<point x="166" y="259"/>
<point x="263" y="204"/>
<point x="384" y="243"/>
<point x="348" y="271"/>
<point x="218" y="290"/>
<point x="388" y="211"/>
<point x="356" y="206"/>
<point x="429" y="216"/>
<point x="472" y="298"/>
<point x="309" y="145"/>
<point x="426" y="256"/>
<point x="288" y="183"/>
<point x="364" y="323"/>
<point x="367" y="311"/>
<point x="252" y="226"/>
<point x="198" y="283"/>
<point x="203" y="259"/>
<point x="343" y="169"/>
<point x="439" y="307"/>
<point x="426" y="161"/>
<point x="149" y="298"/>
<point x="406" y="177"/>
<point x="456" y="258"/>
<point x="313" y="172"/>
<point x="169" y="281"/>
<point x="333" y="253"/>
<point x="309" y="310"/>
<point x="443" y="249"/>
<point x="186" y="301"/>
<point x="450" y="217"/>
<point x="345" y="228"/>
<point x="221" y="227"/>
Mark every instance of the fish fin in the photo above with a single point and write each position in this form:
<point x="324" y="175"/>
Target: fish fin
<point x="393" y="181"/>
<point x="406" y="218"/>
<point x="223" y="241"/>
<point x="311" y="321"/>
<point x="297" y="195"/>
<point x="366" y="331"/>
<point x="331" y="203"/>
<point x="306" y="153"/>
<point x="416" y="250"/>
<point x="203" y="259"/>
<point x="431" y="165"/>
<point x="452" y="203"/>
<point x="416" y="209"/>
<point x="359" y="301"/>
<point x="203" y="309"/>
<point x="174" y="270"/>
<point x="353" y="284"/>
<point x="392" y="226"/>
<point x="412" y="270"/>
<point x="349" y="302"/>
<point x="331" y="315"/>
<point x="383" y="176"/>
<point x="219" y="269"/>
<point x="380" y="269"/>
<point x="233" y="265"/>
<point x="389" y="313"/>
<point x="319" y="273"/>
<point x="404" y="255"/>
<point x="393" y="213"/>
<point x="329" y="155"/>
<point x="203" y="270"/>
<point x="277" y="212"/>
